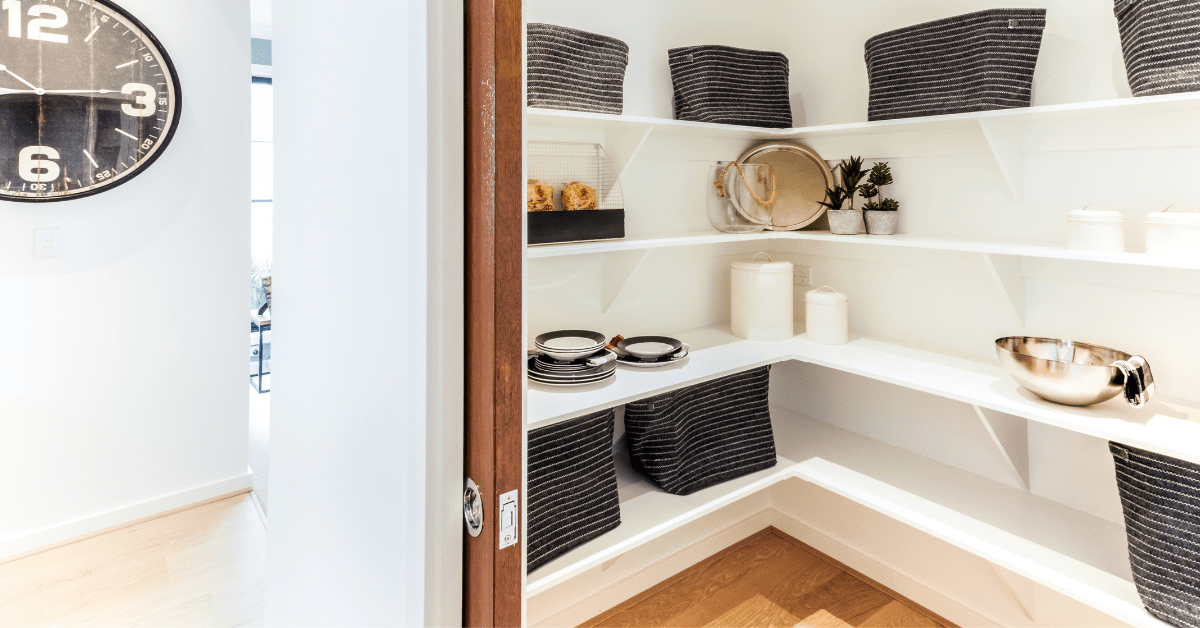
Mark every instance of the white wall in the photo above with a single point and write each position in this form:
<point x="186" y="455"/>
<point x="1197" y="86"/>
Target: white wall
<point x="366" y="427"/>
<point x="123" y="362"/>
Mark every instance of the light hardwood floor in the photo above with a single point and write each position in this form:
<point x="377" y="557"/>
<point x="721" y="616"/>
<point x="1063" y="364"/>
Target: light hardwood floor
<point x="769" y="579"/>
<point x="202" y="567"/>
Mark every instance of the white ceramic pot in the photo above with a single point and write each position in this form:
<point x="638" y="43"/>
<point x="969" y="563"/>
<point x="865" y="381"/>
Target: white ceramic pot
<point x="845" y="221"/>
<point x="1173" y="235"/>
<point x="881" y="222"/>
<point x="827" y="316"/>
<point x="1094" y="229"/>
<point x="761" y="299"/>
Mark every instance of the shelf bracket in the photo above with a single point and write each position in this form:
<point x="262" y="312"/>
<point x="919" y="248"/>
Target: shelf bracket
<point x="624" y="145"/>
<point x="619" y="266"/>
<point x="1004" y="139"/>
<point x="1009" y="276"/>
<point x="1019" y="589"/>
<point x="1010" y="435"/>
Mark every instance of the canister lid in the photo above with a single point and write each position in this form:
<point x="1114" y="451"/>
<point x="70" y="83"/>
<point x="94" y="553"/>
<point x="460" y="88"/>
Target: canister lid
<point x="825" y="294"/>
<point x="1096" y="212"/>
<point x="1174" y="215"/>
<point x="762" y="266"/>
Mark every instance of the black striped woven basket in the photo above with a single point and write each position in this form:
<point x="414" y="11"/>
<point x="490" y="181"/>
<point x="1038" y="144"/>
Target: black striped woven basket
<point x="1161" y="499"/>
<point x="971" y="62"/>
<point x="703" y="435"/>
<point x="572" y="486"/>
<point x="731" y="86"/>
<point x="575" y="70"/>
<point x="1160" y="40"/>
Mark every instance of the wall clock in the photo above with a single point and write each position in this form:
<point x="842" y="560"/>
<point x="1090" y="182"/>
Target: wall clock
<point x="88" y="98"/>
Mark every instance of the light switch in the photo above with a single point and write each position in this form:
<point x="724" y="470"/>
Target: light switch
<point x="508" y="519"/>
<point x="47" y="242"/>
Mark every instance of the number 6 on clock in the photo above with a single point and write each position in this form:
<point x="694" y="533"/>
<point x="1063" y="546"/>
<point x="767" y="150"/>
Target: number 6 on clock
<point x="145" y="100"/>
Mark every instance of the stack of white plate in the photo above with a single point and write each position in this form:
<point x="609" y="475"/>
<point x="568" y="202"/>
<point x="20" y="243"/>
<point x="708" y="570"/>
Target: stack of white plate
<point x="571" y="357"/>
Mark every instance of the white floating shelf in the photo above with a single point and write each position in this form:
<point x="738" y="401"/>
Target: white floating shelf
<point x="1167" y="426"/>
<point x="1076" y="554"/>
<point x="899" y="240"/>
<point x="1072" y="111"/>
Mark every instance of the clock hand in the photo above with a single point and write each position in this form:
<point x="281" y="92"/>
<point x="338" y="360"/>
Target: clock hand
<point x="37" y="90"/>
<point x="82" y="91"/>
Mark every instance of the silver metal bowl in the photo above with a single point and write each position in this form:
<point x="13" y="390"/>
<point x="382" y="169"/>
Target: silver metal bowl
<point x="1063" y="371"/>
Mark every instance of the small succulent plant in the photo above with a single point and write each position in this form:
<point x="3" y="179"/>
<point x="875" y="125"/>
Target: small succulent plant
<point x="835" y="197"/>
<point x="852" y="173"/>
<point x="879" y="176"/>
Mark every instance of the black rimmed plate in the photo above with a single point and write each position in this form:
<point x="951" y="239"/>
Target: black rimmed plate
<point x="591" y="373"/>
<point x="674" y="358"/>
<point x="570" y="340"/>
<point x="650" y="347"/>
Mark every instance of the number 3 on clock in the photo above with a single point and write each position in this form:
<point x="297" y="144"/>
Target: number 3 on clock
<point x="59" y="20"/>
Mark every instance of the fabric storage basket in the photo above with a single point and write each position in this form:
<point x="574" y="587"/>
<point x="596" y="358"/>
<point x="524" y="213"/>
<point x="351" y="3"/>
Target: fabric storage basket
<point x="971" y="62"/>
<point x="575" y="70"/>
<point x="731" y="86"/>
<point x="1160" y="496"/>
<point x="572" y="485"/>
<point x="1160" y="40"/>
<point x="703" y="435"/>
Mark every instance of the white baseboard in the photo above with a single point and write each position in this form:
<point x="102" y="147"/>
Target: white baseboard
<point x="737" y="529"/>
<point x="58" y="534"/>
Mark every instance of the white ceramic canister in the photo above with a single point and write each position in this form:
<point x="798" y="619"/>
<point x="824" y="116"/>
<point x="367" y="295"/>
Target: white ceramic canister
<point x="1095" y="229"/>
<point x="761" y="299"/>
<point x="827" y="316"/>
<point x="1173" y="235"/>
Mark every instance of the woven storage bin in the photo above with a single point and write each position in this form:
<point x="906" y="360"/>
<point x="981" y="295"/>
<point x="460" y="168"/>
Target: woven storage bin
<point x="1160" y="40"/>
<point x="575" y="70"/>
<point x="731" y="86"/>
<point x="696" y="437"/>
<point x="572" y="485"/>
<point x="971" y="62"/>
<point x="1161" y="499"/>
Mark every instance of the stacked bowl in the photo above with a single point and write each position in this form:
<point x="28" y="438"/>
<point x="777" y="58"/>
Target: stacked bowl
<point x="571" y="357"/>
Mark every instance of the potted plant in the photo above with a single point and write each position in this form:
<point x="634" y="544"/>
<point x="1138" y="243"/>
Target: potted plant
<point x="845" y="221"/>
<point x="881" y="215"/>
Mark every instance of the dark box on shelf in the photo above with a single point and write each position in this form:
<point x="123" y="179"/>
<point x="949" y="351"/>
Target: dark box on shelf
<point x="557" y="227"/>
<point x="973" y="62"/>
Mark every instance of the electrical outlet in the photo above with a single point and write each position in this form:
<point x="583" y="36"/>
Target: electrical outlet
<point x="802" y="276"/>
<point x="47" y="242"/>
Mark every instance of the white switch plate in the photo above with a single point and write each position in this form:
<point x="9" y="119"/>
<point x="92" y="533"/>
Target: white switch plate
<point x="509" y="508"/>
<point x="47" y="242"/>
<point x="802" y="276"/>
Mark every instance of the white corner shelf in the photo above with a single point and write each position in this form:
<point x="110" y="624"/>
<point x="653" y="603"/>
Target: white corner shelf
<point x="1061" y="548"/>
<point x="898" y="240"/>
<point x="998" y="132"/>
<point x="1167" y="426"/>
<point x="1150" y="105"/>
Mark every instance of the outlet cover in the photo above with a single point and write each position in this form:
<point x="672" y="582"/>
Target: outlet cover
<point x="802" y="276"/>
<point x="47" y="242"/>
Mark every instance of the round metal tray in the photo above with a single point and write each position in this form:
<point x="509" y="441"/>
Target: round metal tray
<point x="801" y="176"/>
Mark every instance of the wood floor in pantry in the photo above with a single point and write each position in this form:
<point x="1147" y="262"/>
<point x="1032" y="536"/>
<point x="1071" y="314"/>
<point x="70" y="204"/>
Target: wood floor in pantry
<point x="768" y="579"/>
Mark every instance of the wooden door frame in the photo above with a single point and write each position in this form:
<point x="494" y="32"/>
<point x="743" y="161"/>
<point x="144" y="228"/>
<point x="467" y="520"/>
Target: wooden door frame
<point x="494" y="360"/>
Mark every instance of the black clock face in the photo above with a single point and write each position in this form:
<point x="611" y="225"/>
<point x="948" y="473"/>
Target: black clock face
<point x="88" y="98"/>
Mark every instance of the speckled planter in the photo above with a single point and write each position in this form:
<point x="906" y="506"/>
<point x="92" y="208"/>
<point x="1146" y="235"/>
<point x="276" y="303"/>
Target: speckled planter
<point x="845" y="221"/>
<point x="881" y="222"/>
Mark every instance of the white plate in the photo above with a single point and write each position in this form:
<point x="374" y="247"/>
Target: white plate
<point x="570" y="343"/>
<point x="649" y="349"/>
<point x="575" y="384"/>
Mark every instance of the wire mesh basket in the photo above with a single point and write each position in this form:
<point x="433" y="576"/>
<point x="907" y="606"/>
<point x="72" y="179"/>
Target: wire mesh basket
<point x="563" y="163"/>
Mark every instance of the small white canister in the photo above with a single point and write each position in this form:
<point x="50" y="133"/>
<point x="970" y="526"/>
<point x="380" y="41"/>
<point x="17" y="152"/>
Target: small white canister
<point x="827" y="316"/>
<point x="1095" y="229"/>
<point x="1173" y="235"/>
<point x="761" y="299"/>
